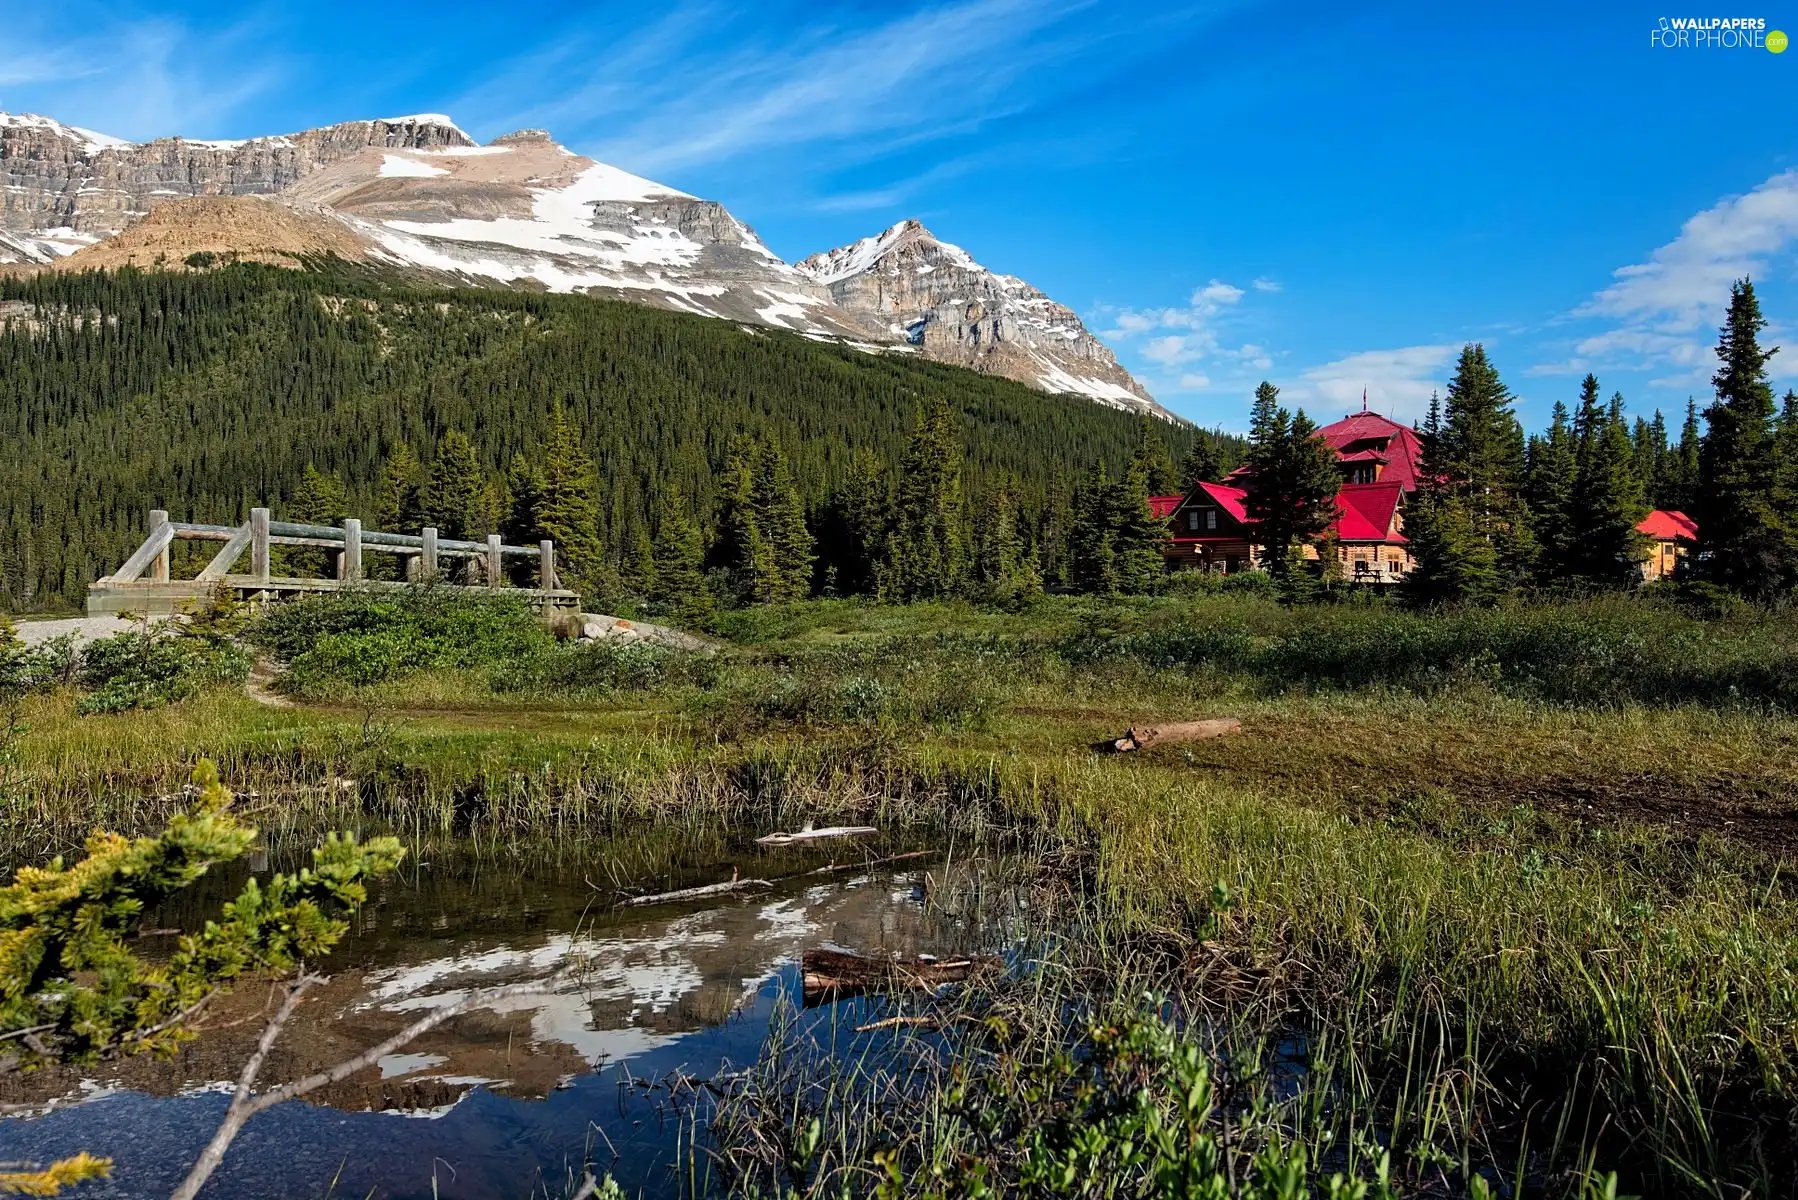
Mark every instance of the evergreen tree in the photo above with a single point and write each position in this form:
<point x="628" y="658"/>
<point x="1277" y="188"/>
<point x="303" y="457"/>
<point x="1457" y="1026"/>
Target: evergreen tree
<point x="1004" y="567"/>
<point x="1202" y="464"/>
<point x="452" y="496"/>
<point x="1473" y="483"/>
<point x="637" y="574"/>
<point x="926" y="552"/>
<point x="1150" y="457"/>
<point x="781" y="515"/>
<point x="1605" y="548"/>
<point x="319" y="500"/>
<point x="1092" y="537"/>
<point x="1677" y="487"/>
<point x="524" y="483"/>
<point x="1295" y="579"/>
<point x="1455" y="562"/>
<point x="567" y="511"/>
<point x="678" y="579"/>
<point x="1648" y="441"/>
<point x="1553" y="463"/>
<point x="1743" y="540"/>
<point x="399" y="508"/>
<point x="1293" y="478"/>
<point x="1138" y="536"/>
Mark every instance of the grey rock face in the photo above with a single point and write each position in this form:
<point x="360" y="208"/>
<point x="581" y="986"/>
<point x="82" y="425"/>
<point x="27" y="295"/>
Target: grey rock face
<point x="417" y="194"/>
<point x="77" y="186"/>
<point x="906" y="283"/>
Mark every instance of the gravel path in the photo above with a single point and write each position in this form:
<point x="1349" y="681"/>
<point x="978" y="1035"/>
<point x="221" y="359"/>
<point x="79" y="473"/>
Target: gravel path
<point x="85" y="629"/>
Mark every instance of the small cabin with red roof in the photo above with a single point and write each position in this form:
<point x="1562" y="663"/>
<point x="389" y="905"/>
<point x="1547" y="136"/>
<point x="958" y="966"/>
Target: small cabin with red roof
<point x="1670" y="534"/>
<point x="1210" y="529"/>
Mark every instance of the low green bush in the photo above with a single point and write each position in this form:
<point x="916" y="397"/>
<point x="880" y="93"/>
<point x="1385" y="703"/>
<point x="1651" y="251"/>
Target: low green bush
<point x="607" y="666"/>
<point x="154" y="666"/>
<point x="367" y="637"/>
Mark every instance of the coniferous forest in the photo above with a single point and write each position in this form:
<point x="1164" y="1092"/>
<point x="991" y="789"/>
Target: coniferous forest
<point x="207" y="393"/>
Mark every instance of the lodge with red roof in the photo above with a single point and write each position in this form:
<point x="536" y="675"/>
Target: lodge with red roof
<point x="1210" y="528"/>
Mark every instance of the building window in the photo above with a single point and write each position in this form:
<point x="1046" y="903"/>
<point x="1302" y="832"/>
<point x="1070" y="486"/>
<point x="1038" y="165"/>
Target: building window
<point x="1362" y="473"/>
<point x="1211" y="518"/>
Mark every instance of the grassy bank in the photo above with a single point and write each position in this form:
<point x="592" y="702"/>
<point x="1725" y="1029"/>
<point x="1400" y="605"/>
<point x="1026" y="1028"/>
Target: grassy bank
<point x="1513" y="881"/>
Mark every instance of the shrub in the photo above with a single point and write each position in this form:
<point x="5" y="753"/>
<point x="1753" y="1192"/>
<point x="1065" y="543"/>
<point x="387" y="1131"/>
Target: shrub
<point x="154" y="666"/>
<point x="607" y="666"/>
<point x="365" y="637"/>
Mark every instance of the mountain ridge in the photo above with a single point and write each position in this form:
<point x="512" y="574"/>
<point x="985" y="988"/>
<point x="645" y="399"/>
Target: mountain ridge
<point x="418" y="195"/>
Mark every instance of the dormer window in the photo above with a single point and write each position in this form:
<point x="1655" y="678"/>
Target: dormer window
<point x="1362" y="473"/>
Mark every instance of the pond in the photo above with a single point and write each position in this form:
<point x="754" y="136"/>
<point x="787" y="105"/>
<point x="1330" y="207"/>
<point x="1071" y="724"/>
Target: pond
<point x="609" y="1065"/>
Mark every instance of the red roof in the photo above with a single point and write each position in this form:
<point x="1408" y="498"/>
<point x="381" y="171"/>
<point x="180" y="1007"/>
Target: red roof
<point x="1366" y="512"/>
<point x="1366" y="436"/>
<point x="1230" y="499"/>
<point x="1164" y="506"/>
<point x="1665" y="525"/>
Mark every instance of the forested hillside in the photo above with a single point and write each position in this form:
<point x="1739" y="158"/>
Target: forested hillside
<point x="206" y="393"/>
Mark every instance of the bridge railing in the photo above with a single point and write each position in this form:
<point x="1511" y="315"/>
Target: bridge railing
<point x="423" y="555"/>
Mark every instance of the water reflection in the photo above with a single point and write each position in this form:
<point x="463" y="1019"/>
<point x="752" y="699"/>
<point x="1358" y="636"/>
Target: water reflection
<point x="512" y="1098"/>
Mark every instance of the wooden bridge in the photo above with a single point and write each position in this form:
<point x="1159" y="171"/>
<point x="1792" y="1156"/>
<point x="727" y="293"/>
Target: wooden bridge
<point x="143" y="584"/>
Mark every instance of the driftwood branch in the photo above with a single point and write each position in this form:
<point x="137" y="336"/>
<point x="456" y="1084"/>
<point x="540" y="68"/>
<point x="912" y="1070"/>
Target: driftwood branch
<point x="816" y="835"/>
<point x="1142" y="737"/>
<point x="830" y="975"/>
<point x="833" y="868"/>
<point x="698" y="893"/>
<point x="246" y="1103"/>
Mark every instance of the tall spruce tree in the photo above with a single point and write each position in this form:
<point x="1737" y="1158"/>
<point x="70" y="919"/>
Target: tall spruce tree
<point x="1151" y="458"/>
<point x="567" y="510"/>
<point x="1605" y="550"/>
<point x="859" y="513"/>
<point x="320" y="499"/>
<point x="1092" y="536"/>
<point x="1204" y="463"/>
<point x="398" y="505"/>
<point x="927" y="550"/>
<point x="452" y="495"/>
<point x="524" y="483"/>
<point x="1004" y="568"/>
<point x="678" y="581"/>
<point x="1677" y="487"/>
<point x="1648" y="441"/>
<point x="781" y="515"/>
<point x="1553" y="463"/>
<point x="1743" y="539"/>
<point x="1293" y="479"/>
<point x="1473" y="486"/>
<point x="1138" y="536"/>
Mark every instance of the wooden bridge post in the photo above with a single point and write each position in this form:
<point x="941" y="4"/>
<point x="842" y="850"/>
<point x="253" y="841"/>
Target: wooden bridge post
<point x="494" y="578"/>
<point x="259" y="544"/>
<point x="546" y="565"/>
<point x="349" y="566"/>
<point x="428" y="560"/>
<point x="159" y="568"/>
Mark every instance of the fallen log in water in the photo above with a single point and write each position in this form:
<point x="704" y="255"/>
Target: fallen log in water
<point x="910" y="855"/>
<point x="698" y="893"/>
<point x="1144" y="736"/>
<point x="809" y="834"/>
<point x="831" y="975"/>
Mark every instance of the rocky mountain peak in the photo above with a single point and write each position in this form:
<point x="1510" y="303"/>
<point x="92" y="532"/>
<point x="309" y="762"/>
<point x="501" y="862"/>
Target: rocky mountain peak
<point x="417" y="194"/>
<point x="907" y="282"/>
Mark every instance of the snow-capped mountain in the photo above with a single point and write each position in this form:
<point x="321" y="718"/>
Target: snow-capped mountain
<point x="418" y="194"/>
<point x="908" y="284"/>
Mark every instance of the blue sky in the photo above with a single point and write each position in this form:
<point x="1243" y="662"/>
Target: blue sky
<point x="1329" y="196"/>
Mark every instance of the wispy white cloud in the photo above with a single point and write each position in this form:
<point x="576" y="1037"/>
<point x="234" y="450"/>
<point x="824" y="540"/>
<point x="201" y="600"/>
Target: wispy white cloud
<point x="1268" y="285"/>
<point x="138" y="79"/>
<point x="1398" y="382"/>
<point x="707" y="83"/>
<point x="1660" y="313"/>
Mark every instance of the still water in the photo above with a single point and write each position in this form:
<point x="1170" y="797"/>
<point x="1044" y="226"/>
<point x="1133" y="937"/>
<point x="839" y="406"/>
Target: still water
<point x="512" y="1100"/>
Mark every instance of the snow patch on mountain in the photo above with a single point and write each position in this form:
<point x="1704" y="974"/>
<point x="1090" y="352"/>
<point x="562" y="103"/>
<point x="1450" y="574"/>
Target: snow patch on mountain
<point x="396" y="166"/>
